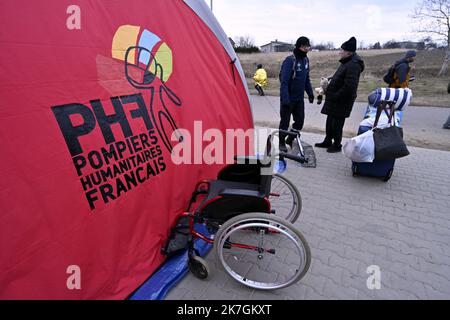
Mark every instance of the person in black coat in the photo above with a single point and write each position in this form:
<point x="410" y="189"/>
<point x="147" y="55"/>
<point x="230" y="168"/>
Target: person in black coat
<point x="341" y="94"/>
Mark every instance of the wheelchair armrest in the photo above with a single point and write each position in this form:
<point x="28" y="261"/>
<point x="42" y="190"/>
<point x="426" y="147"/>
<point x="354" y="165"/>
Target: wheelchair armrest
<point x="241" y="193"/>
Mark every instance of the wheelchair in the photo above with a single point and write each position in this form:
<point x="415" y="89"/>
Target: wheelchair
<point x="249" y="214"/>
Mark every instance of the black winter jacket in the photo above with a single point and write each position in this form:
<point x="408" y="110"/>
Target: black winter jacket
<point x="341" y="92"/>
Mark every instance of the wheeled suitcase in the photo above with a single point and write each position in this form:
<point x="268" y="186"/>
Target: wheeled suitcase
<point x="382" y="169"/>
<point x="379" y="100"/>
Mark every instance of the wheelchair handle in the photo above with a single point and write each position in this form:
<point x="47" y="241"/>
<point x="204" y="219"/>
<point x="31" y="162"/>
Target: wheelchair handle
<point x="299" y="159"/>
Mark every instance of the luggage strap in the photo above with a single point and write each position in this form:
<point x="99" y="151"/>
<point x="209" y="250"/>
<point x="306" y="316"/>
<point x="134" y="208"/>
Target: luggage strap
<point x="384" y="106"/>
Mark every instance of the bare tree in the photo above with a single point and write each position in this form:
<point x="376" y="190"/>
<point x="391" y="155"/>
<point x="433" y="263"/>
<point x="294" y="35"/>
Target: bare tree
<point x="330" y="45"/>
<point x="433" y="19"/>
<point x="377" y="46"/>
<point x="362" y="45"/>
<point x="244" y="41"/>
<point x="429" y="43"/>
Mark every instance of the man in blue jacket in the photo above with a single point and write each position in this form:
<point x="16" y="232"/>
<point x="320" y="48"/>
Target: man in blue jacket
<point x="294" y="78"/>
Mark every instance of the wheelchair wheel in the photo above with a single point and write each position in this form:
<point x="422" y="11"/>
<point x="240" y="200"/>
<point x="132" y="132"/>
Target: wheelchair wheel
<point x="199" y="267"/>
<point x="262" y="251"/>
<point x="285" y="198"/>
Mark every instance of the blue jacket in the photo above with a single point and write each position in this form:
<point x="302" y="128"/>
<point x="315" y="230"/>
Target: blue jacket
<point x="293" y="89"/>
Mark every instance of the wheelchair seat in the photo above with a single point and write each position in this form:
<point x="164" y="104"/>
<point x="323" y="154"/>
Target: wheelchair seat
<point x="226" y="199"/>
<point x="225" y="188"/>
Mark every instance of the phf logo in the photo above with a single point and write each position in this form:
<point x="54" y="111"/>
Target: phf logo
<point x="148" y="66"/>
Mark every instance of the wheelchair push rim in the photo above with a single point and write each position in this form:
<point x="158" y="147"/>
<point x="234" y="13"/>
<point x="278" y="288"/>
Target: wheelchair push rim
<point x="262" y="251"/>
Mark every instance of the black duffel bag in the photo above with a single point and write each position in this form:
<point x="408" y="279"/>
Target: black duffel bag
<point x="389" y="143"/>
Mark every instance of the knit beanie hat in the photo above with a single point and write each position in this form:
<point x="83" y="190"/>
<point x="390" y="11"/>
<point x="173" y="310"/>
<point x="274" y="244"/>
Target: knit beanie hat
<point x="349" y="45"/>
<point x="302" y="41"/>
<point x="410" y="54"/>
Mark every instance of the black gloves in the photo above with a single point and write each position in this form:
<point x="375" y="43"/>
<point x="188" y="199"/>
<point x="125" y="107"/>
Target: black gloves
<point x="311" y="99"/>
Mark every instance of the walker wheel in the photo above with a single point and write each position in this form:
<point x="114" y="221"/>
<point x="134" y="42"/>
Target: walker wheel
<point x="388" y="175"/>
<point x="199" y="267"/>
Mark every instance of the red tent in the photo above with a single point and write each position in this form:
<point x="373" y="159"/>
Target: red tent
<point x="91" y="95"/>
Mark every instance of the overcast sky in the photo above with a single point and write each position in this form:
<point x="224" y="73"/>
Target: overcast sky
<point x="320" y="20"/>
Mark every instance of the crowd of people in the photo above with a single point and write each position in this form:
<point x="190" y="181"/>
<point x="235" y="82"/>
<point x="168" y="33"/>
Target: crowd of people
<point x="340" y="90"/>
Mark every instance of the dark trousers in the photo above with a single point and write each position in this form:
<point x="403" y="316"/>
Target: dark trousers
<point x="447" y="123"/>
<point x="297" y="109"/>
<point x="334" y="128"/>
<point x="259" y="89"/>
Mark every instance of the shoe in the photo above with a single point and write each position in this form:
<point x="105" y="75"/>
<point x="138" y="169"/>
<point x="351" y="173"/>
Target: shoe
<point x="319" y="99"/>
<point x="324" y="144"/>
<point x="290" y="139"/>
<point x="334" y="149"/>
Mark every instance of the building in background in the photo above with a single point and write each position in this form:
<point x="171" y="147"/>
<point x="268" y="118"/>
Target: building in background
<point x="277" y="46"/>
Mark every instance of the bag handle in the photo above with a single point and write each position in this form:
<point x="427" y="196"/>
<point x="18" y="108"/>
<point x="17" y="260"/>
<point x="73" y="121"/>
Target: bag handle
<point x="380" y="109"/>
<point x="391" y="116"/>
<point x="383" y="107"/>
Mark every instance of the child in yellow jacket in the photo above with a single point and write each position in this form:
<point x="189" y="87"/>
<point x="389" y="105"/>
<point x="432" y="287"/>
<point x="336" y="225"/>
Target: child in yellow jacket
<point x="260" y="78"/>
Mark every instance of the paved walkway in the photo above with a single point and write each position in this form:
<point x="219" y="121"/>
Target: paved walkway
<point x="402" y="226"/>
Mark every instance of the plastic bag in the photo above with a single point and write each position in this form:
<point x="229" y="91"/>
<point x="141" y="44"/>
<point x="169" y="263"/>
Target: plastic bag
<point x="360" y="148"/>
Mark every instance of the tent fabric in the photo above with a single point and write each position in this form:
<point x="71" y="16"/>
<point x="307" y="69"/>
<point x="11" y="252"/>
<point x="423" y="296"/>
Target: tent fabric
<point x="171" y="272"/>
<point x="204" y="12"/>
<point x="90" y="99"/>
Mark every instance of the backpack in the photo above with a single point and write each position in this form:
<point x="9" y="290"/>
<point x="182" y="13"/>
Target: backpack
<point x="294" y="63"/>
<point x="389" y="76"/>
